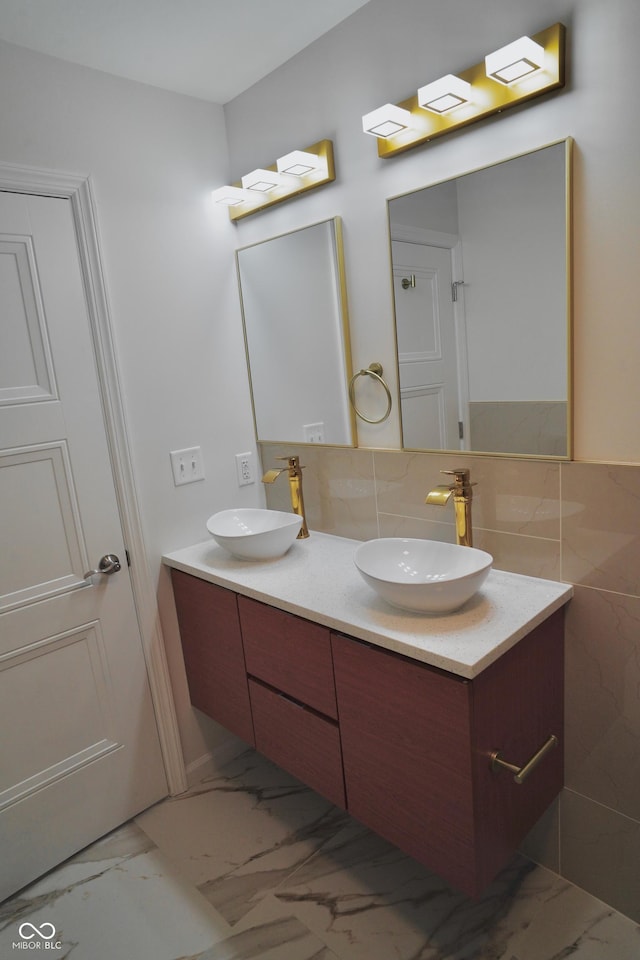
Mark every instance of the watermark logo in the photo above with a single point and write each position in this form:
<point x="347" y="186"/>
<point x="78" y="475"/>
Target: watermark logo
<point x="37" y="938"/>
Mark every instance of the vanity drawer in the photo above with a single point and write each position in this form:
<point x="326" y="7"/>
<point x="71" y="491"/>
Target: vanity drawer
<point x="298" y="740"/>
<point x="289" y="653"/>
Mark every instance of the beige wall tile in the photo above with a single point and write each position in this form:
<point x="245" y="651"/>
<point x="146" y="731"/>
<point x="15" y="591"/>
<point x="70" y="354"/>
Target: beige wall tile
<point x="530" y="556"/>
<point x="602" y="724"/>
<point x="392" y="525"/>
<point x="512" y="496"/>
<point x="517" y="496"/>
<point x="600" y="851"/>
<point x="601" y="529"/>
<point x="338" y="488"/>
<point x="520" y="427"/>
<point x="404" y="479"/>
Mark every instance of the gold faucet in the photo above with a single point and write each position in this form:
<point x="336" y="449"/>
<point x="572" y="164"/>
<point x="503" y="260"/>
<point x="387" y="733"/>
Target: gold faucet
<point x="295" y="489"/>
<point x="462" y="495"/>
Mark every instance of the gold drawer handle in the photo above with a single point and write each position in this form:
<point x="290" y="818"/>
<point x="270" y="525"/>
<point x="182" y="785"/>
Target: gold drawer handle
<point x="521" y="773"/>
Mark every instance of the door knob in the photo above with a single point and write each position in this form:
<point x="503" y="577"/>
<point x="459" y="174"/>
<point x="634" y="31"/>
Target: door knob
<point x="108" y="564"/>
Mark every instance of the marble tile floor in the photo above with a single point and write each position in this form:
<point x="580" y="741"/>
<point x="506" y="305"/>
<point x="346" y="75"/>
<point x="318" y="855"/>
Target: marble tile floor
<point x="251" y="864"/>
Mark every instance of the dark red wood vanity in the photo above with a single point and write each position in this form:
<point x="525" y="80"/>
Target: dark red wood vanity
<point x="405" y="747"/>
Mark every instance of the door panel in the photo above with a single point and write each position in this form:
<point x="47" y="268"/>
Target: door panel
<point x="427" y="347"/>
<point x="80" y="752"/>
<point x="62" y="669"/>
<point x="424" y="416"/>
<point x="25" y="370"/>
<point x="50" y="536"/>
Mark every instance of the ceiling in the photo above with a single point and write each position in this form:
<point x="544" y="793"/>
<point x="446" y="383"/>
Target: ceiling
<point x="212" y="49"/>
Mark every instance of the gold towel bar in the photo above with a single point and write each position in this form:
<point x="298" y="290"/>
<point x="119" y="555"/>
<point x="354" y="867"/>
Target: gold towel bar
<point x="521" y="773"/>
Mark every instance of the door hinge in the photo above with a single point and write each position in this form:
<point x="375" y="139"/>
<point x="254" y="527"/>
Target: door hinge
<point x="460" y="430"/>
<point x="454" y="289"/>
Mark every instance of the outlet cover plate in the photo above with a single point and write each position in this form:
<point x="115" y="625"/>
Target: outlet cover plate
<point x="244" y="469"/>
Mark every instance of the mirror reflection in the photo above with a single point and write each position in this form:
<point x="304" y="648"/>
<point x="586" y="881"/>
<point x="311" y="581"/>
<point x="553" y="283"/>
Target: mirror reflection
<point x="296" y="334"/>
<point x="481" y="293"/>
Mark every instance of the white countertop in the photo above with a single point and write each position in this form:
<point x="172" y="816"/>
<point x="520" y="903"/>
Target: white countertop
<point x="317" y="579"/>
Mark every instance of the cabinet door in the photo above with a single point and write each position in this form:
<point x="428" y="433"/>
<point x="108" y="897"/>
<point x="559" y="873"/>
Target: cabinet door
<point x="213" y="655"/>
<point x="407" y="756"/>
<point x="517" y="704"/>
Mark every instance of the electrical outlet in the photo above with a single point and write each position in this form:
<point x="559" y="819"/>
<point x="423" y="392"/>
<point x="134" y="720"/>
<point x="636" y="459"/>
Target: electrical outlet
<point x="313" y="432"/>
<point x="244" y="469"/>
<point x="187" y="465"/>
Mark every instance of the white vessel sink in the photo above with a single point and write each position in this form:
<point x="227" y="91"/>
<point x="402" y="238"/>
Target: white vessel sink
<point x="254" y="534"/>
<point x="422" y="575"/>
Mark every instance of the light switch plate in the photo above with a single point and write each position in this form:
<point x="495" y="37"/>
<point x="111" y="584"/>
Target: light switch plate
<point x="187" y="465"/>
<point x="313" y="432"/>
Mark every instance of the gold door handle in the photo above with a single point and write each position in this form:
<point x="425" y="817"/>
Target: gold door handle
<point x="521" y="773"/>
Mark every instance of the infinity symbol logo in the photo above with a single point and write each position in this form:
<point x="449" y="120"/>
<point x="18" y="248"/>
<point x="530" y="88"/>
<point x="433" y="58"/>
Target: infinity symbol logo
<point x="40" y="931"/>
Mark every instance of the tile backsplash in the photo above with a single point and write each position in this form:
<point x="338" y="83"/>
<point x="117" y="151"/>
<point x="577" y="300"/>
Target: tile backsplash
<point x="571" y="521"/>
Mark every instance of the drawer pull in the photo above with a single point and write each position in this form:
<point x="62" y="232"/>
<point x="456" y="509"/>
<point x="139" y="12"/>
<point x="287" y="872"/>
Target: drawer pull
<point x="521" y="773"/>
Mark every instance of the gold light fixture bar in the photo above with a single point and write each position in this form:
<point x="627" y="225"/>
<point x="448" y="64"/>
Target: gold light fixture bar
<point x="488" y="96"/>
<point x="306" y="174"/>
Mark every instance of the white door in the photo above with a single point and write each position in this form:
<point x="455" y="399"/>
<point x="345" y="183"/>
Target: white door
<point x="427" y="350"/>
<point x="79" y="749"/>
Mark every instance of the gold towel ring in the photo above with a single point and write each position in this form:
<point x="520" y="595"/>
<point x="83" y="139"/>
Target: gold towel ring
<point x="373" y="370"/>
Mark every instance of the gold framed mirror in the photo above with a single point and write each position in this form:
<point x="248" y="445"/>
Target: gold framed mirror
<point x="296" y="327"/>
<point x="481" y="268"/>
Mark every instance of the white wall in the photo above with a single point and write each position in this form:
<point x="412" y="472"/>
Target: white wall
<point x="382" y="53"/>
<point x="153" y="158"/>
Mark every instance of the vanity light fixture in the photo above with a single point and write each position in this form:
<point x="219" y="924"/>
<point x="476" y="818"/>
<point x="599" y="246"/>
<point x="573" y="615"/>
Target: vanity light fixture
<point x="386" y="121"/>
<point x="517" y="60"/>
<point x="444" y="95"/>
<point x="291" y="176"/>
<point x="517" y="72"/>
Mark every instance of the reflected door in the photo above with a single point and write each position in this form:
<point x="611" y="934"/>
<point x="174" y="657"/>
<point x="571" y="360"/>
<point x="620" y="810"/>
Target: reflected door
<point x="427" y="354"/>
<point x="79" y="752"/>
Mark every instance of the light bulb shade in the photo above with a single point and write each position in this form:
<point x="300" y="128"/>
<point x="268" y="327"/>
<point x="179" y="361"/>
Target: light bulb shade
<point x="230" y="196"/>
<point x="262" y="181"/>
<point x="299" y="163"/>
<point x="515" y="61"/>
<point x="445" y="94"/>
<point x="386" y="121"/>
